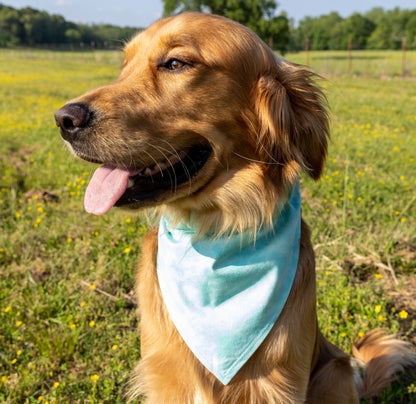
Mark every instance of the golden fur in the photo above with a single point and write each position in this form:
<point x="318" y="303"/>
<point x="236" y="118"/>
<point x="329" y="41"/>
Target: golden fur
<point x="205" y="79"/>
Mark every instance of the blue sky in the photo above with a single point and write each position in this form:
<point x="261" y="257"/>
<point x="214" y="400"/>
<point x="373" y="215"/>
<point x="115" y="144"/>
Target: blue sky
<point x="141" y="13"/>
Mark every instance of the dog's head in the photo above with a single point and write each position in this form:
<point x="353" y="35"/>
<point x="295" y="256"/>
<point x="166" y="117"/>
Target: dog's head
<point x="203" y="119"/>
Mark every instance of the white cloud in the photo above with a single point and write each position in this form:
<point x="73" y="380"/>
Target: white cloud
<point x="61" y="3"/>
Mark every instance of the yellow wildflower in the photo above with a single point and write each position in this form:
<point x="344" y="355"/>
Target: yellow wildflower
<point x="403" y="314"/>
<point x="94" y="378"/>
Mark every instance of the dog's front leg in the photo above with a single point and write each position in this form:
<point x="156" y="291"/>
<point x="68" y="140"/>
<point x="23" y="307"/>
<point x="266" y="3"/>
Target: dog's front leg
<point x="168" y="371"/>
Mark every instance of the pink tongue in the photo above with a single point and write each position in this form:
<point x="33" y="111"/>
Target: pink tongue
<point x="105" y="188"/>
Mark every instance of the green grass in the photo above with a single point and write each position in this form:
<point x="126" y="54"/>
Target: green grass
<point x="68" y="325"/>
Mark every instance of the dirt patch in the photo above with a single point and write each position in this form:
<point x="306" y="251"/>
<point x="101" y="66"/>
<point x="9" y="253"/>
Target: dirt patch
<point x="364" y="268"/>
<point x="398" y="274"/>
<point x="404" y="295"/>
<point x="403" y="298"/>
<point x="42" y="195"/>
<point x="21" y="157"/>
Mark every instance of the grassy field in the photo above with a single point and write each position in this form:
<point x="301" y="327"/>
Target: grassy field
<point x="68" y="327"/>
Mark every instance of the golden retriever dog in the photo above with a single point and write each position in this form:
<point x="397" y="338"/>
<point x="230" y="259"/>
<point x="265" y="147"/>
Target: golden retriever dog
<point x="208" y="125"/>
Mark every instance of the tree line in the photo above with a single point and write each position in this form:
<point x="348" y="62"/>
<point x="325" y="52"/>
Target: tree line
<point x="376" y="29"/>
<point x="31" y="27"/>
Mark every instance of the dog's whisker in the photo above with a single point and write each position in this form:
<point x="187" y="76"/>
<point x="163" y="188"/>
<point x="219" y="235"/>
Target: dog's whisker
<point x="258" y="161"/>
<point x="157" y="164"/>
<point x="168" y="160"/>
<point x="183" y="164"/>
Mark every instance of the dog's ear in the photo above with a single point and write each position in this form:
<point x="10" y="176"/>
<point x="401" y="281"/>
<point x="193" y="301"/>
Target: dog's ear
<point x="293" y="125"/>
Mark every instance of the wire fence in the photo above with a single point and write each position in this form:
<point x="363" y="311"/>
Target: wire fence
<point x="378" y="63"/>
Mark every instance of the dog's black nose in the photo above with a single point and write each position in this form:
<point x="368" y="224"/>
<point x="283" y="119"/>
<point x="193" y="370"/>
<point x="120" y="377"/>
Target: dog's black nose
<point x="71" y="119"/>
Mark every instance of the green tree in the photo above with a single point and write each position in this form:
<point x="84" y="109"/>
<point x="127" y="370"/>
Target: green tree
<point x="73" y="36"/>
<point x="376" y="15"/>
<point x="276" y="30"/>
<point x="36" y="26"/>
<point x="410" y="30"/>
<point x="320" y="31"/>
<point x="358" y="29"/>
<point x="390" y="30"/>
<point x="57" y="27"/>
<point x="11" y="29"/>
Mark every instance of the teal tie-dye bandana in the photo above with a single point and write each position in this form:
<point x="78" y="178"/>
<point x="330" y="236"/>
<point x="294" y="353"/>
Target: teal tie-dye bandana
<point x="224" y="295"/>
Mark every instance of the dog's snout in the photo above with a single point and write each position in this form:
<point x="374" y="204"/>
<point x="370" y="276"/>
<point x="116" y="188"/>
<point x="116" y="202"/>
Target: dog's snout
<point x="71" y="119"/>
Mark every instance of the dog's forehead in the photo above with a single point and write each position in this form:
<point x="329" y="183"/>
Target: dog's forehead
<point x="182" y="30"/>
<point x="209" y="35"/>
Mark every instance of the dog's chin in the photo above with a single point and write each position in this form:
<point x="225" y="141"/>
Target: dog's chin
<point x="81" y="155"/>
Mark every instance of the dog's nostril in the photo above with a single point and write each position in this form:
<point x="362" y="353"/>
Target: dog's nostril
<point x="71" y="119"/>
<point x="68" y="123"/>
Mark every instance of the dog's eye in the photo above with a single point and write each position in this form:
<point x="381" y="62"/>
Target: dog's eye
<point x="174" y="64"/>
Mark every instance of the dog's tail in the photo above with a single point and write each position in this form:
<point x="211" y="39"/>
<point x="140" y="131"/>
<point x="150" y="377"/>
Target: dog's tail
<point x="378" y="358"/>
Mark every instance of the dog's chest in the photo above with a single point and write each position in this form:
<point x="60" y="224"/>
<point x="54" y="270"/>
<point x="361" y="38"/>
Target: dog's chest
<point x="224" y="295"/>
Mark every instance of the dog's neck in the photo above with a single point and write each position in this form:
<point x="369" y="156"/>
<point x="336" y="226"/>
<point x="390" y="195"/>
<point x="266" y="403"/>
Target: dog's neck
<point x="240" y="215"/>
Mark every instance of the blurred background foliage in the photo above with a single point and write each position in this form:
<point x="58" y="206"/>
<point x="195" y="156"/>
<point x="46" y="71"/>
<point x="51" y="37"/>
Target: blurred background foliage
<point x="376" y="29"/>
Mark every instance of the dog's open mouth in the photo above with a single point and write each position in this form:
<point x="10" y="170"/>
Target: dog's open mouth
<point x="114" y="186"/>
